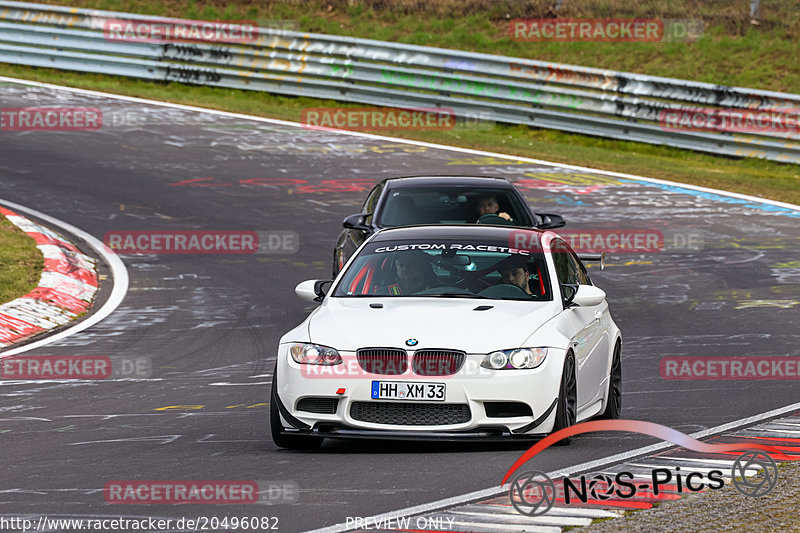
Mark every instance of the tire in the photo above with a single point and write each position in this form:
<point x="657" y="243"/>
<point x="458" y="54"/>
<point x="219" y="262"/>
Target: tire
<point x="566" y="412"/>
<point x="614" y="403"/>
<point x="290" y="442"/>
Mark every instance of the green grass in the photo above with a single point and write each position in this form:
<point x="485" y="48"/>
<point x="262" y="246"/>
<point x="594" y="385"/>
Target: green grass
<point x="21" y="262"/>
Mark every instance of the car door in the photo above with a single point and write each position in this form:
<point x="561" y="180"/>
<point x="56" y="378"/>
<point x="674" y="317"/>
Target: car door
<point x="368" y="209"/>
<point x="595" y="336"/>
<point x="590" y="340"/>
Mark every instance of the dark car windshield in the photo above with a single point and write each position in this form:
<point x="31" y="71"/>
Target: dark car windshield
<point x="449" y="205"/>
<point x="447" y="268"/>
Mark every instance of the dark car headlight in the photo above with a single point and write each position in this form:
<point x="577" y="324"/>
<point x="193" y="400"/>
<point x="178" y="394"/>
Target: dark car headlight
<point x="516" y="359"/>
<point x="314" y="354"/>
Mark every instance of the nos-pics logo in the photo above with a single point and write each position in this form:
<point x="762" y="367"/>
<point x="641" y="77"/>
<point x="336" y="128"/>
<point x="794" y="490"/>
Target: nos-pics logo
<point x="533" y="493"/>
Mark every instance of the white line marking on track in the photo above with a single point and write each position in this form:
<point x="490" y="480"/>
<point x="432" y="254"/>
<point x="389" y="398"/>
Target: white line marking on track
<point x="163" y="439"/>
<point x="787" y="431"/>
<point x="554" y="511"/>
<point x="562" y="520"/>
<point x="507" y="528"/>
<point x="682" y="460"/>
<point x="701" y="469"/>
<point x="228" y="384"/>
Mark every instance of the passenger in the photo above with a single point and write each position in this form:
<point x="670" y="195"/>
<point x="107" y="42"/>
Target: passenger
<point x="487" y="205"/>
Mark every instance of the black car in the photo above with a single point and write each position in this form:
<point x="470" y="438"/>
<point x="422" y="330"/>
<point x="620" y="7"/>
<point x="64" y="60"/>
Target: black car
<point x="412" y="200"/>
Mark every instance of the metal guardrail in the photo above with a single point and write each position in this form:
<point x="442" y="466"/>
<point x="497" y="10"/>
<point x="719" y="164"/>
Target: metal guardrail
<point x="584" y="100"/>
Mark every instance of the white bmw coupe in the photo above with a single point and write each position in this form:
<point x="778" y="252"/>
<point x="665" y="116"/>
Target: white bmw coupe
<point x="445" y="333"/>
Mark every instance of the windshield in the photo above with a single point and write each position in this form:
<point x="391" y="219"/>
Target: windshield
<point x="459" y="205"/>
<point x="443" y="268"/>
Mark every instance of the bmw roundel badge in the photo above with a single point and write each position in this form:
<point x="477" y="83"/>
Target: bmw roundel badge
<point x="412" y="342"/>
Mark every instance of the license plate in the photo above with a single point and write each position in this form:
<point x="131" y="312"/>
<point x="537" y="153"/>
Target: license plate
<point x="408" y="390"/>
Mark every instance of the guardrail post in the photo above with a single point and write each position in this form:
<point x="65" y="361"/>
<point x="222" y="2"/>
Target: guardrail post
<point x="754" y="6"/>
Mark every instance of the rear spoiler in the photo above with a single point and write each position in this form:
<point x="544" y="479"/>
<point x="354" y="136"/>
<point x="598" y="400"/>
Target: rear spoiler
<point x="595" y="257"/>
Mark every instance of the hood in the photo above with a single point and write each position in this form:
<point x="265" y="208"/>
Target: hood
<point x="348" y="324"/>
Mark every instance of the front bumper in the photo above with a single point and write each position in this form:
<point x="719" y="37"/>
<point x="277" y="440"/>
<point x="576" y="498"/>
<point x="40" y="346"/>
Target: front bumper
<point x="471" y="386"/>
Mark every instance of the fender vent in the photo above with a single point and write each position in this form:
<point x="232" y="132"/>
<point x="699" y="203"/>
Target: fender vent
<point x="507" y="409"/>
<point x="322" y="406"/>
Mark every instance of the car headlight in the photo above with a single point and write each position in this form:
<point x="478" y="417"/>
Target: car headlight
<point x="515" y="359"/>
<point x="314" y="354"/>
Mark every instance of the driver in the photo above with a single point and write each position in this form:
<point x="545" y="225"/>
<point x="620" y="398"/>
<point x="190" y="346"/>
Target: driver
<point x="517" y="274"/>
<point x="487" y="205"/>
<point x="414" y="273"/>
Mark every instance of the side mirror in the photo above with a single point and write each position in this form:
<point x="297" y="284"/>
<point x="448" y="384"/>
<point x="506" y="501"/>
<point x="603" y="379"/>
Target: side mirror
<point x="586" y="296"/>
<point x="312" y="290"/>
<point x="357" y="222"/>
<point x="568" y="292"/>
<point x="550" y="221"/>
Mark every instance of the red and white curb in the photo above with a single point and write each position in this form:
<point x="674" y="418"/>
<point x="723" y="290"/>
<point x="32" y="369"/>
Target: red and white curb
<point x="66" y="289"/>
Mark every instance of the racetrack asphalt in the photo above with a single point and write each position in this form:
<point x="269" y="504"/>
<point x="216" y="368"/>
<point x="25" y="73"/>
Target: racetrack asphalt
<point x="210" y="323"/>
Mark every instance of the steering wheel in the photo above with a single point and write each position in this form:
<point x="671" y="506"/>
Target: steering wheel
<point x="505" y="290"/>
<point x="494" y="219"/>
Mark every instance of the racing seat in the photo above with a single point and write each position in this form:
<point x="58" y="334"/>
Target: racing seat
<point x="386" y="280"/>
<point x="536" y="281"/>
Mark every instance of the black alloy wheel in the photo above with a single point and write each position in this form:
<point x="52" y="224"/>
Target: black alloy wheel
<point x="566" y="412"/>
